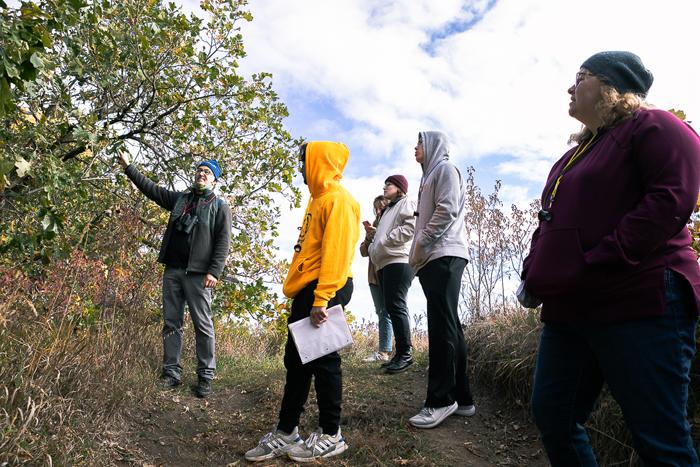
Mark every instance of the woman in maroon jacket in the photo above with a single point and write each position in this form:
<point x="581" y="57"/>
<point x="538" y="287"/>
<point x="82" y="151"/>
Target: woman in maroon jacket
<point x="611" y="263"/>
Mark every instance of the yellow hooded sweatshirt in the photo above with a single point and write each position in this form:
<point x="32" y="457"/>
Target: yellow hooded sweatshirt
<point x="330" y="229"/>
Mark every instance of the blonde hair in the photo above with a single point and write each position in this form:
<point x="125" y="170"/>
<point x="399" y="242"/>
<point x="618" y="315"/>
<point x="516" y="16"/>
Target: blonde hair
<point x="613" y="107"/>
<point x="379" y="202"/>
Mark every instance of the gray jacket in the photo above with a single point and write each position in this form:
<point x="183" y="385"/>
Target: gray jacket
<point x="440" y="229"/>
<point x="211" y="236"/>
<point x="392" y="240"/>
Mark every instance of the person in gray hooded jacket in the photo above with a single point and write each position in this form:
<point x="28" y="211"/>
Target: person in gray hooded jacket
<point x="439" y="256"/>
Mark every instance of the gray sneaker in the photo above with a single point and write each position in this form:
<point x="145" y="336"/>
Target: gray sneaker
<point x="274" y="444"/>
<point x="465" y="410"/>
<point x="430" y="417"/>
<point x="317" y="446"/>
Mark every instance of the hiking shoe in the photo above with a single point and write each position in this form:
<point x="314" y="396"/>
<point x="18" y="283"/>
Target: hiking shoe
<point x="399" y="365"/>
<point x="317" y="446"/>
<point x="430" y="417"/>
<point x="203" y="388"/>
<point x="465" y="410"/>
<point x="378" y="357"/>
<point x="274" y="444"/>
<point x="169" y="382"/>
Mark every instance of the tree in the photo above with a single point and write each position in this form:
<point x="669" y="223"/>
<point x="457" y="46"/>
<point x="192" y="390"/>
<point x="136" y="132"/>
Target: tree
<point x="138" y="76"/>
<point x="497" y="243"/>
<point x="486" y="249"/>
<point x="24" y="36"/>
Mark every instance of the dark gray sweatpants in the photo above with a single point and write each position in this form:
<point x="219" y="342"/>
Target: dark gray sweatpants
<point x="179" y="289"/>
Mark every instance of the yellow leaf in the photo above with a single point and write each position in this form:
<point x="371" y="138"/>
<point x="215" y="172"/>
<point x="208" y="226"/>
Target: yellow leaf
<point x="22" y="165"/>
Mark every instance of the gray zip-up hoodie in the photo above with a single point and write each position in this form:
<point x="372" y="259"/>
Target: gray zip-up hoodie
<point x="440" y="229"/>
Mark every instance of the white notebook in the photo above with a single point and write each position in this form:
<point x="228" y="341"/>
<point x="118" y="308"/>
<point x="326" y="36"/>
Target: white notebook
<point x="313" y="342"/>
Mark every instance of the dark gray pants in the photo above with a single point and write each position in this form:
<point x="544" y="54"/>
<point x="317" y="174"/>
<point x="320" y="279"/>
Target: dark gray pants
<point x="179" y="289"/>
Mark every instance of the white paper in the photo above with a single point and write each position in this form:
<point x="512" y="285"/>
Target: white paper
<point x="313" y="342"/>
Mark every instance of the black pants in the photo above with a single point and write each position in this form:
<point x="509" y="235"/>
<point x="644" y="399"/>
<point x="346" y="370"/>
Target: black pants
<point x="395" y="279"/>
<point x="325" y="370"/>
<point x="447" y="376"/>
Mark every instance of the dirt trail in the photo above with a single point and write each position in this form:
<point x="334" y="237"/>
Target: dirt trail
<point x="173" y="428"/>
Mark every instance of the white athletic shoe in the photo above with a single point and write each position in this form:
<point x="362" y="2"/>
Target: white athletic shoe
<point x="274" y="444"/>
<point x="430" y="417"/>
<point x="318" y="445"/>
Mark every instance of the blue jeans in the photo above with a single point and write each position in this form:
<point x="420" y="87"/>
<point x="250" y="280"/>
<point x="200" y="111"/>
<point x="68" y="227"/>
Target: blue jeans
<point x="386" y="333"/>
<point x="646" y="365"/>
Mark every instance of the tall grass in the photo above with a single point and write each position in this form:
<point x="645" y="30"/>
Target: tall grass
<point x="75" y="345"/>
<point x="503" y="349"/>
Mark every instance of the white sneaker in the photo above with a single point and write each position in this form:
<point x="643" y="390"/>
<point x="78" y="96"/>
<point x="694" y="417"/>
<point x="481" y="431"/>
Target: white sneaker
<point x="274" y="444"/>
<point x="430" y="417"/>
<point x="378" y="357"/>
<point x="465" y="410"/>
<point x="318" y="445"/>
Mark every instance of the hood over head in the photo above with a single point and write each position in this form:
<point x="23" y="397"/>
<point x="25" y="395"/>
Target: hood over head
<point x="325" y="162"/>
<point x="435" y="149"/>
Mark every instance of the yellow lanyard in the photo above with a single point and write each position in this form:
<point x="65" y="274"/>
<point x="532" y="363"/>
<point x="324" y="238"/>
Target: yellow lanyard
<point x="580" y="151"/>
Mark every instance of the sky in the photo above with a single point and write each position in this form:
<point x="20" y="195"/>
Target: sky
<point x="492" y="74"/>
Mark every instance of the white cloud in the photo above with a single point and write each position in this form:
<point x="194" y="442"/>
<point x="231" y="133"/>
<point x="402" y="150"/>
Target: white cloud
<point x="494" y="88"/>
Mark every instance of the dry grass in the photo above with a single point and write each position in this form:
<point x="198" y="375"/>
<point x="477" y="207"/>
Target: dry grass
<point x="68" y="363"/>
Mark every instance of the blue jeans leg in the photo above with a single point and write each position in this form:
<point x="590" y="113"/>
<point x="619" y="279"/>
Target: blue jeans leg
<point x="646" y="364"/>
<point x="386" y="333"/>
<point x="647" y="367"/>
<point x="567" y="384"/>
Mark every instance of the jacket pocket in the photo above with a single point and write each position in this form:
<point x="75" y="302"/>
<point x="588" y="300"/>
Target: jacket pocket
<point x="558" y="264"/>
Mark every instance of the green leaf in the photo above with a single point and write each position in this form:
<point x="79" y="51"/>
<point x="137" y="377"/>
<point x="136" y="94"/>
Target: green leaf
<point x="36" y="61"/>
<point x="11" y="69"/>
<point x="5" y="100"/>
<point x="46" y="39"/>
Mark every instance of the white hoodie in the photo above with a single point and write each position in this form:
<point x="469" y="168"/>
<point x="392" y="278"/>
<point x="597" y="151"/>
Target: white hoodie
<point x="392" y="240"/>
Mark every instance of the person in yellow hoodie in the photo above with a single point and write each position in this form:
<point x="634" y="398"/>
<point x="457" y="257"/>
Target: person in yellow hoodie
<point x="318" y="278"/>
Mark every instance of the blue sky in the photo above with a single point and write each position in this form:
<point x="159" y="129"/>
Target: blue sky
<point x="491" y="74"/>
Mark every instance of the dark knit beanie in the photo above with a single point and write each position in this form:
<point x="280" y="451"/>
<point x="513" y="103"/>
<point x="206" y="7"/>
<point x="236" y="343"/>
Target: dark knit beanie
<point x="624" y="71"/>
<point x="399" y="181"/>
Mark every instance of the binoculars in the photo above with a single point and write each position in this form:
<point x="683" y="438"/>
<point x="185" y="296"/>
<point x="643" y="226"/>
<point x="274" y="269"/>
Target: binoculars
<point x="186" y="223"/>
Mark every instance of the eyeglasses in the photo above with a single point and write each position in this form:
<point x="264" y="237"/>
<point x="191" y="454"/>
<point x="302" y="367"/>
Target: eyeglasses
<point x="389" y="184"/>
<point x="581" y="76"/>
<point x="205" y="171"/>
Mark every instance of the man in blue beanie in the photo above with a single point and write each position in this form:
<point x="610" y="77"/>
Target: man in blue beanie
<point x="194" y="250"/>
